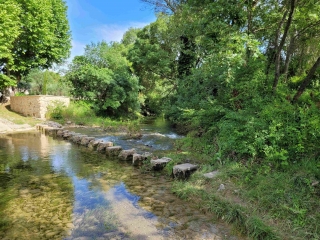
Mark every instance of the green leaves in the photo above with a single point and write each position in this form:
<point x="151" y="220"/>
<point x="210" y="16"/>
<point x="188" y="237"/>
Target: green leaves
<point x="102" y="76"/>
<point x="34" y="34"/>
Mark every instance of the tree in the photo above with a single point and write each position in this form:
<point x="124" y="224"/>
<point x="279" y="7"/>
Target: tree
<point x="102" y="76"/>
<point x="44" y="82"/>
<point x="165" y="6"/>
<point x="36" y="35"/>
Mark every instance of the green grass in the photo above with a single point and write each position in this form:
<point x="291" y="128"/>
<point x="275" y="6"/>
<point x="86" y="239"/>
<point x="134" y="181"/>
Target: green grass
<point x="6" y="113"/>
<point x="260" y="204"/>
<point x="80" y="113"/>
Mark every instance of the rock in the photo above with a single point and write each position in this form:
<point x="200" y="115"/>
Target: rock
<point x="86" y="140"/>
<point x="77" y="138"/>
<point x="159" y="164"/>
<point x="53" y="124"/>
<point x="183" y="171"/>
<point x="127" y="155"/>
<point x="51" y="131"/>
<point x="93" y="144"/>
<point x="60" y="132"/>
<point x="113" y="151"/>
<point x="137" y="159"/>
<point x="103" y="145"/>
<point x="68" y="135"/>
<point x="211" y="174"/>
<point x="221" y="187"/>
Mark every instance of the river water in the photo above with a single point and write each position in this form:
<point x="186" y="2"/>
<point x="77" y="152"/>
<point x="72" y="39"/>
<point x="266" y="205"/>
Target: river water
<point x="54" y="189"/>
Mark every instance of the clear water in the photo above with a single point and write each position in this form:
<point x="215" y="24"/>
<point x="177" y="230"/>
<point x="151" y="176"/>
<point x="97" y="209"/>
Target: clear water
<point x="52" y="189"/>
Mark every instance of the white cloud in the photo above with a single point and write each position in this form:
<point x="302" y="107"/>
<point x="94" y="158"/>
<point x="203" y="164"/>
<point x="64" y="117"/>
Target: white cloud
<point x="114" y="32"/>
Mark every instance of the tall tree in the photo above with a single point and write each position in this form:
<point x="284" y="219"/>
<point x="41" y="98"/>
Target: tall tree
<point x="102" y="76"/>
<point x="37" y="35"/>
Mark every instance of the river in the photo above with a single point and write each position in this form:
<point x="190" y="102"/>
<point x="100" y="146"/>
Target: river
<point x="54" y="189"/>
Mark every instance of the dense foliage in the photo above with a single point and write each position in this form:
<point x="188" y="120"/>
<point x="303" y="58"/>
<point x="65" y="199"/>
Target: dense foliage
<point x="243" y="75"/>
<point x="39" y="82"/>
<point x="102" y="77"/>
<point x="34" y="34"/>
<point x="243" y="79"/>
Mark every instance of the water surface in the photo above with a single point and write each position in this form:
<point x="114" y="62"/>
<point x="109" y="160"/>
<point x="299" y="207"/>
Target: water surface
<point x="53" y="189"/>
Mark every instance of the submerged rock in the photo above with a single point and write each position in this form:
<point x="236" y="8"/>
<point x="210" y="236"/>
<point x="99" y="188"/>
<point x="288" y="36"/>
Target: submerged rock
<point x="183" y="171"/>
<point x="159" y="164"/>
<point x="127" y="155"/>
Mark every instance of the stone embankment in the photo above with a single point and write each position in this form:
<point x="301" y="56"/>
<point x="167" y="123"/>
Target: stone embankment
<point x="36" y="105"/>
<point x="180" y="171"/>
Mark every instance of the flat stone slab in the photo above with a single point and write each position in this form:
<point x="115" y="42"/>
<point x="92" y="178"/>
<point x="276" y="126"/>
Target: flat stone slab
<point x="86" y="140"/>
<point x="77" y="138"/>
<point x="103" y="145"/>
<point x="68" y="135"/>
<point x="51" y="131"/>
<point x="184" y="170"/>
<point x="93" y="144"/>
<point x="137" y="159"/>
<point x="113" y="151"/>
<point x="159" y="164"/>
<point x="211" y="174"/>
<point x="127" y="155"/>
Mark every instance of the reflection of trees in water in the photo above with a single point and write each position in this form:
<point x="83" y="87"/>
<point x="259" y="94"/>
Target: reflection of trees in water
<point x="33" y="199"/>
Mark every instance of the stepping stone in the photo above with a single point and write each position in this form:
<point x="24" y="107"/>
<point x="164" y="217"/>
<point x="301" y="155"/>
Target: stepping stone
<point x="53" y="124"/>
<point x="93" y="144"/>
<point x="77" y="138"/>
<point x="183" y="171"/>
<point x="51" y="131"/>
<point x="41" y="126"/>
<point x="60" y="132"/>
<point x="103" y="145"/>
<point x="86" y="140"/>
<point x="137" y="159"/>
<point x="113" y="151"/>
<point x="69" y="135"/>
<point x="127" y="155"/>
<point x="159" y="164"/>
<point x="211" y="174"/>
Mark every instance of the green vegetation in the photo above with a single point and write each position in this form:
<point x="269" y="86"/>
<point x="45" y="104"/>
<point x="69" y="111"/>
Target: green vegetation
<point x="23" y="23"/>
<point x="39" y="82"/>
<point x="240" y="78"/>
<point x="82" y="113"/>
<point x="102" y="77"/>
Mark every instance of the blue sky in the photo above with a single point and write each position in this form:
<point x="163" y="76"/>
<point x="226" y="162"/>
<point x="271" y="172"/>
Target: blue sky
<point x="97" y="20"/>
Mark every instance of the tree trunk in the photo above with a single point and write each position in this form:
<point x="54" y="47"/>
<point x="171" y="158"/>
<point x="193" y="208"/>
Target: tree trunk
<point x="288" y="57"/>
<point x="278" y="54"/>
<point x="271" y="56"/>
<point x="306" y="81"/>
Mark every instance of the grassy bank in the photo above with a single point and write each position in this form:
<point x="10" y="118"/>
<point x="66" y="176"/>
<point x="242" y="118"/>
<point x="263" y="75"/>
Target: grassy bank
<point x="261" y="202"/>
<point x="80" y="113"/>
<point x="6" y="113"/>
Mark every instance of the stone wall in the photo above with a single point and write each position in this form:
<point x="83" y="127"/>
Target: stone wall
<point x="36" y="105"/>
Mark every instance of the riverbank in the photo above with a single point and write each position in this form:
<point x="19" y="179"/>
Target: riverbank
<point x="261" y="202"/>
<point x="13" y="122"/>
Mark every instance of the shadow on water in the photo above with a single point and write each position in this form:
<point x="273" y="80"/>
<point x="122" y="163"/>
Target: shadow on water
<point x="52" y="189"/>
